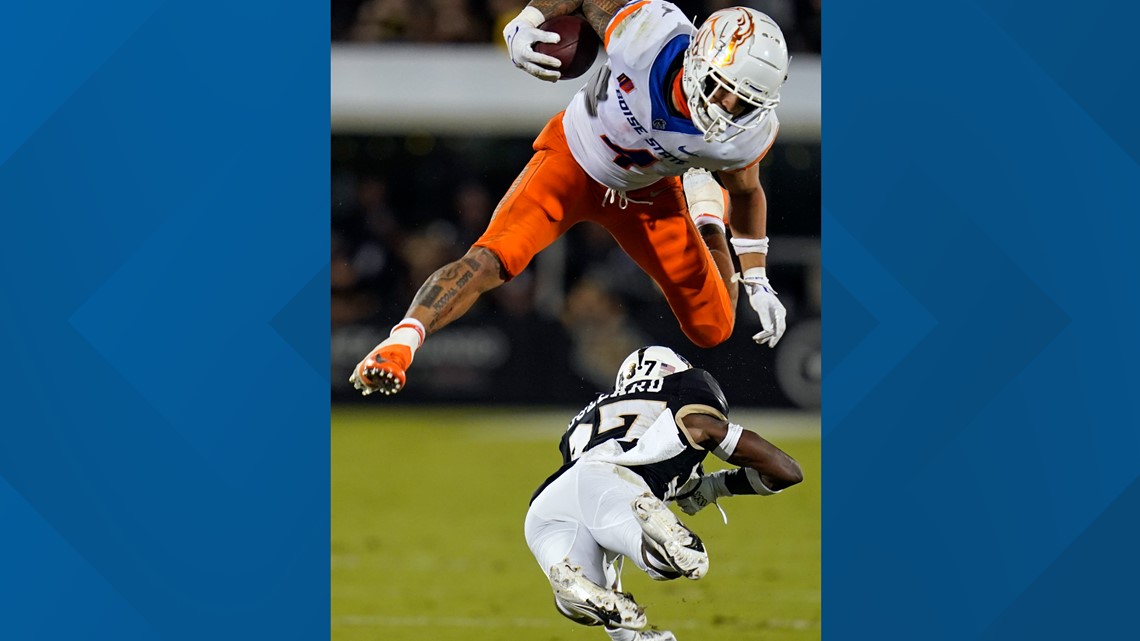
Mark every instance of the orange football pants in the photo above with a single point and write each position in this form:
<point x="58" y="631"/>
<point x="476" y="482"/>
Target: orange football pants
<point x="553" y="193"/>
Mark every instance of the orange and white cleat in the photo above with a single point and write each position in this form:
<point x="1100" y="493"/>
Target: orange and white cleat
<point x="384" y="370"/>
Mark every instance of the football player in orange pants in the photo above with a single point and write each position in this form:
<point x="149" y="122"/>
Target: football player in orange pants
<point x="671" y="101"/>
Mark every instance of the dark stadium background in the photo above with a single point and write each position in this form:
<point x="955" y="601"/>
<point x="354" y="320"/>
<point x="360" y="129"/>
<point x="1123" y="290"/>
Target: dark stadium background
<point x="403" y="206"/>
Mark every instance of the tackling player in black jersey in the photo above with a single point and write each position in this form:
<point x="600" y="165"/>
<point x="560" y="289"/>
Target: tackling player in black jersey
<point x="623" y="455"/>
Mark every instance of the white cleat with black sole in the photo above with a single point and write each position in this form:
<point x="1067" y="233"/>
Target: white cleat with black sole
<point x="644" y="635"/>
<point x="678" y="544"/>
<point x="612" y="608"/>
<point x="655" y="635"/>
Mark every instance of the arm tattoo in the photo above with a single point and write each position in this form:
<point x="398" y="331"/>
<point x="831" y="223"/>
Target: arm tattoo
<point x="600" y="12"/>
<point x="448" y="272"/>
<point x="451" y="290"/>
<point x="446" y="298"/>
<point x="552" y="8"/>
<point x="484" y="257"/>
<point x="427" y="295"/>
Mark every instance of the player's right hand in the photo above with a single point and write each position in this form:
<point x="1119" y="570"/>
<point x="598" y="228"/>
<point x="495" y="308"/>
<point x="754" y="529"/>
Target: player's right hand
<point x="696" y="494"/>
<point x="521" y="35"/>
<point x="769" y="308"/>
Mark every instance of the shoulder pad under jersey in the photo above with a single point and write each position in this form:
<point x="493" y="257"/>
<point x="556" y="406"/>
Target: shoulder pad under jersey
<point x="698" y="387"/>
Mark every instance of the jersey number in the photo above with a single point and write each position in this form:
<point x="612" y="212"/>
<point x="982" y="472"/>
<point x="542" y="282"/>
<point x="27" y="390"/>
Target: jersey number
<point x="627" y="158"/>
<point x="625" y="414"/>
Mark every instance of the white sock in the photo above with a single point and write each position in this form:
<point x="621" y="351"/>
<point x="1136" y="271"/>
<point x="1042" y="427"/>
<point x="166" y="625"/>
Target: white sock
<point x="409" y="332"/>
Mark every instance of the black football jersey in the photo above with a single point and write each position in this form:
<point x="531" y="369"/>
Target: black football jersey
<point x="626" y="414"/>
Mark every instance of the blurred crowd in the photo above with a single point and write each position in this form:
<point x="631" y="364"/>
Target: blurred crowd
<point x="394" y="226"/>
<point x="482" y="21"/>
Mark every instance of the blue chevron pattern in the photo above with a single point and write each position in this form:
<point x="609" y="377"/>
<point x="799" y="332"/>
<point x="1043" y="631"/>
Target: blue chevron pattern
<point x="982" y="455"/>
<point x="981" y="447"/>
<point x="164" y="189"/>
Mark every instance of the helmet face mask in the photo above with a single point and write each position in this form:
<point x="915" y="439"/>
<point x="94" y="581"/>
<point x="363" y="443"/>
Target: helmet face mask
<point x="649" y="363"/>
<point x="740" y="51"/>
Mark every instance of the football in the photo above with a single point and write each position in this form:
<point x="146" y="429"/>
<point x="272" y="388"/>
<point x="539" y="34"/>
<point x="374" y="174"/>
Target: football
<point x="577" y="49"/>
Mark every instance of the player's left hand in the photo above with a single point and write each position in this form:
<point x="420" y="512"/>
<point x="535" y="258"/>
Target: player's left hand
<point x="521" y="35"/>
<point x="771" y="311"/>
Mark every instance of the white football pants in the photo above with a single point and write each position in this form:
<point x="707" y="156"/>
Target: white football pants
<point x="585" y="516"/>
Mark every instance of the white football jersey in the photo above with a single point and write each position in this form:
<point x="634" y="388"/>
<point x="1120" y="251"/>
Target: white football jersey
<point x="619" y="126"/>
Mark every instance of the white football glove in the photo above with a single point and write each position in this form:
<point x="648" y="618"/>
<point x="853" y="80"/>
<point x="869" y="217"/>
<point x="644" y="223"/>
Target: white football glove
<point x="701" y="491"/>
<point x="521" y="35"/>
<point x="763" y="299"/>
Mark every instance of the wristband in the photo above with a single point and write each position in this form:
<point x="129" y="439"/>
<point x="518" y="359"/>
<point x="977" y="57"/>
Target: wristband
<point x="745" y="480"/>
<point x="750" y="245"/>
<point x="728" y="445"/>
<point x="757" y="483"/>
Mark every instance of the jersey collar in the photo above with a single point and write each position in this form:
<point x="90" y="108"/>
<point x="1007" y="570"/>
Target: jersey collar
<point x="679" y="97"/>
<point x="660" y="88"/>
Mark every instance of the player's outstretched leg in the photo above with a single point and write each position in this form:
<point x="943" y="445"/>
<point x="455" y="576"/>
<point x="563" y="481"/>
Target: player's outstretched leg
<point x="667" y="539"/>
<point x="708" y="207"/>
<point x="584" y="601"/>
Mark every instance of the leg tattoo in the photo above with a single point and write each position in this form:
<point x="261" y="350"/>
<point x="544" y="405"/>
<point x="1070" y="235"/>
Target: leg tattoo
<point x="452" y="289"/>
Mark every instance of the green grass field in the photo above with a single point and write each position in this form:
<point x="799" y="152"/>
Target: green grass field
<point x="427" y="543"/>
